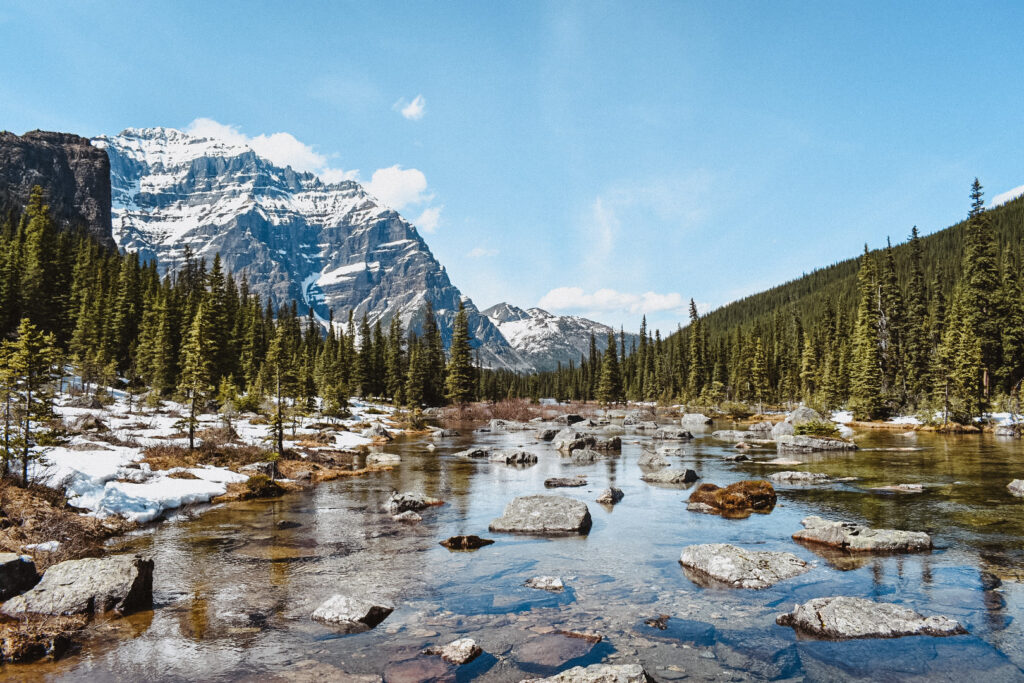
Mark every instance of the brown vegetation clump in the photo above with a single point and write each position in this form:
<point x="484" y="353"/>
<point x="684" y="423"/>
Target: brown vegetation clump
<point x="743" y="495"/>
<point x="165" y="457"/>
<point x="38" y="637"/>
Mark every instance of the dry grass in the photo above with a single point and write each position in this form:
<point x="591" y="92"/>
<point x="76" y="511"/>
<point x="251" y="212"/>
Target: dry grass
<point x="167" y="457"/>
<point x="743" y="495"/>
<point x="39" y="637"/>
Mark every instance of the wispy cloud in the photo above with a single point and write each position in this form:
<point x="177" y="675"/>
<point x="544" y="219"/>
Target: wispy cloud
<point x="481" y="252"/>
<point x="413" y="111"/>
<point x="430" y="218"/>
<point x="575" y="299"/>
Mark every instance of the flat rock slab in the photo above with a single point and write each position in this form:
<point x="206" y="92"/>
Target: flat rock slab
<point x="383" y="459"/>
<point x="1016" y="487"/>
<point x="860" y="538"/>
<point x="741" y="568"/>
<point x="402" y="502"/>
<point x="791" y="477"/>
<point x="461" y="651"/>
<point x="598" y="673"/>
<point x="798" y="443"/>
<point x="17" y="574"/>
<point x="565" y="482"/>
<point x="545" y="583"/>
<point x="845" y="617"/>
<point x="671" y="475"/>
<point x="123" y="583"/>
<point x="465" y="542"/>
<point x="351" y="615"/>
<point x="544" y="515"/>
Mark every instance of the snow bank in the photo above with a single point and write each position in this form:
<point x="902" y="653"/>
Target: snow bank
<point x="842" y="416"/>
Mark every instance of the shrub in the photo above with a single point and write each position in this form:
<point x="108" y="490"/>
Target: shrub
<point x="819" y="428"/>
<point x="262" y="486"/>
<point x="736" y="410"/>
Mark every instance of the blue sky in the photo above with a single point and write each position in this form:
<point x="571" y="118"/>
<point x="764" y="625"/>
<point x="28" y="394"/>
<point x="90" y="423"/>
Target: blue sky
<point x="607" y="159"/>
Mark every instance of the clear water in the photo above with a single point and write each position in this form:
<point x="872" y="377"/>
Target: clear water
<point x="235" y="586"/>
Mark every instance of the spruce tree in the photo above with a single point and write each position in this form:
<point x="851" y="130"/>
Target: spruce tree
<point x="196" y="370"/>
<point x="31" y="360"/>
<point x="866" y="374"/>
<point x="460" y="381"/>
<point x="609" y="389"/>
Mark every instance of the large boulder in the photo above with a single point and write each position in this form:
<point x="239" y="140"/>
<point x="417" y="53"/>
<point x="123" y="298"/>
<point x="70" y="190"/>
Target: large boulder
<point x="670" y="475"/>
<point x="649" y="459"/>
<point x="17" y="574"/>
<point x="514" y="457"/>
<point x="859" y="538"/>
<point x="691" y="420"/>
<point x="844" y="617"/>
<point x="382" y="459"/>
<point x="764" y="429"/>
<point x="612" y="444"/>
<point x="741" y="568"/>
<point x="673" y="434"/>
<point x="598" y="673"/>
<point x="123" y="583"/>
<point x="408" y="500"/>
<point x="799" y="443"/>
<point x="802" y="415"/>
<point x="547" y="434"/>
<point x="584" y="456"/>
<point x="780" y="429"/>
<point x="351" y="615"/>
<point x="544" y="515"/>
<point x="377" y="431"/>
<point x="742" y="496"/>
<point x="648" y="426"/>
<point x="497" y="425"/>
<point x="1016" y="487"/>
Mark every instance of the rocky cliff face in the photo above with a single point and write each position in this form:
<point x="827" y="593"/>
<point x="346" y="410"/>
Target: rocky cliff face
<point x="74" y="175"/>
<point x="544" y="340"/>
<point x="328" y="246"/>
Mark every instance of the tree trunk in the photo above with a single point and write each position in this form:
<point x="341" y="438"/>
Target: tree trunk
<point x="28" y="433"/>
<point x="192" y="422"/>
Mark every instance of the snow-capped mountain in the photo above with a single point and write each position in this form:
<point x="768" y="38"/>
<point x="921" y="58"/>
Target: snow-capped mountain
<point x="544" y="340"/>
<point x="328" y="246"/>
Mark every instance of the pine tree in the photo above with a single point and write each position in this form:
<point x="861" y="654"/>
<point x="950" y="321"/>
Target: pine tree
<point x="698" y="360"/>
<point x="196" y="370"/>
<point x="866" y="374"/>
<point x="609" y="390"/>
<point x="396" y="362"/>
<point x="435" y="359"/>
<point x="31" y="360"/>
<point x="980" y="290"/>
<point x="460" y="381"/>
<point x="916" y="333"/>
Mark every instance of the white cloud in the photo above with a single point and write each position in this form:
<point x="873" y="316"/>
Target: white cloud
<point x="1006" y="197"/>
<point x="429" y="219"/>
<point x="610" y="300"/>
<point x="481" y="252"/>
<point x="412" y="111"/>
<point x="399" y="187"/>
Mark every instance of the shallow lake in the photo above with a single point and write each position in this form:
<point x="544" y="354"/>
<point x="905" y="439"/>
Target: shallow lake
<point x="234" y="587"/>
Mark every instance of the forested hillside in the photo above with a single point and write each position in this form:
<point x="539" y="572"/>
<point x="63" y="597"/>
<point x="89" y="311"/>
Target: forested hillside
<point x="932" y="323"/>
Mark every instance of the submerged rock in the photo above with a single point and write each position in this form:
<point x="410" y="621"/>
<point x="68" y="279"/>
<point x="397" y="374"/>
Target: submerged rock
<point x="610" y="496"/>
<point x="845" y="617"/>
<point x="514" y="457"/>
<point x="408" y="517"/>
<point x="798" y="443"/>
<point x="401" y="502"/>
<point x="738" y="457"/>
<point x="1016" y="487"/>
<point x="123" y="583"/>
<point x="859" y="538"/>
<point x="544" y="515"/>
<point x="799" y="477"/>
<point x="670" y="475"/>
<point x="17" y="574"/>
<point x="742" y="568"/>
<point x="545" y="583"/>
<point x="743" y="495"/>
<point x="383" y="459"/>
<point x="564" y="482"/>
<point x="598" y="673"/>
<point x="465" y="542"/>
<point x="351" y="615"/>
<point x="461" y="651"/>
<point x="443" y="433"/>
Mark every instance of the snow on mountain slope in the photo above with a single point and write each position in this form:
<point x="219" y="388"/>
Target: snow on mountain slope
<point x="545" y="340"/>
<point x="328" y="246"/>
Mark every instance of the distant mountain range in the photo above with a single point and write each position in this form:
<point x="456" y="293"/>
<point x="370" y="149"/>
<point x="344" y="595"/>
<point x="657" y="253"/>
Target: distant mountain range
<point x="327" y="246"/>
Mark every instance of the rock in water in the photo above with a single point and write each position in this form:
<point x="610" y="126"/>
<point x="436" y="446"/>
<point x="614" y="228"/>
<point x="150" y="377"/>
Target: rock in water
<point x="544" y="515"/>
<point x="802" y="415"/>
<point x="383" y="459"/>
<point x="695" y="419"/>
<point x="351" y="615"/>
<point x="598" y="673"/>
<point x="401" y="502"/>
<point x="781" y="429"/>
<point x="466" y="542"/>
<point x="123" y="583"/>
<point x="1016" y="487"/>
<point x="461" y="651"/>
<point x="17" y="574"/>
<point x="610" y="496"/>
<point x="859" y="538"/>
<point x="799" y="477"/>
<point x="743" y="495"/>
<point x="798" y="443"/>
<point x="408" y="517"/>
<point x="648" y="459"/>
<point x="545" y="583"/>
<point x="845" y="617"/>
<point x="673" y="434"/>
<point x="670" y="475"/>
<point x="742" y="568"/>
<point x="564" y="482"/>
<point x="514" y="457"/>
<point x="474" y="453"/>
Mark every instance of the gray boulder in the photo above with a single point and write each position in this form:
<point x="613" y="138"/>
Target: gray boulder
<point x="670" y="475"/>
<point x="17" y="574"/>
<point x="695" y="420"/>
<point x="383" y="459"/>
<point x="731" y="435"/>
<point x="671" y="450"/>
<point x="741" y="568"/>
<point x="859" y="538"/>
<point x="547" y="434"/>
<point x="647" y="426"/>
<point x="402" y="502"/>
<point x="806" y="444"/>
<point x="613" y="430"/>
<point x="545" y="583"/>
<point x="508" y="426"/>
<point x="845" y="617"/>
<point x="761" y="428"/>
<point x="597" y="673"/>
<point x="584" y="456"/>
<point x="474" y="453"/>
<point x="792" y="477"/>
<point x="782" y="429"/>
<point x="673" y="434"/>
<point x="514" y="457"/>
<point x="443" y="433"/>
<point x="377" y="431"/>
<point x="1016" y="487"/>
<point x="408" y="517"/>
<point x="123" y="583"/>
<point x="547" y="515"/>
<point x="351" y="615"/>
<point x="458" y="652"/>
<point x="569" y="419"/>
<point x="610" y="496"/>
<point x="564" y="482"/>
<point x="648" y="459"/>
<point x="802" y="415"/>
<point x="612" y="444"/>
